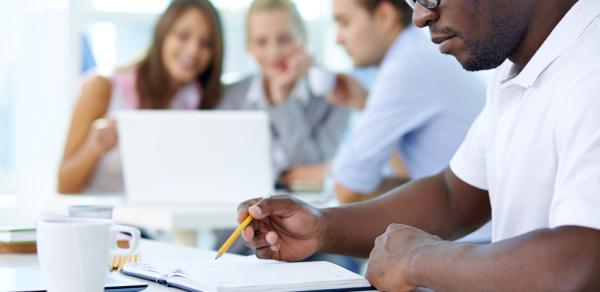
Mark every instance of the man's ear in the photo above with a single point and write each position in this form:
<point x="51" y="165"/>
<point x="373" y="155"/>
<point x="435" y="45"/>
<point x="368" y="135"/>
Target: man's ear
<point x="387" y="16"/>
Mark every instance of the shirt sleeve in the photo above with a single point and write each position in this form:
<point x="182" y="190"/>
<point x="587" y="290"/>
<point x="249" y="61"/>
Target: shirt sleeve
<point x="576" y="199"/>
<point x="469" y="162"/>
<point x="397" y="105"/>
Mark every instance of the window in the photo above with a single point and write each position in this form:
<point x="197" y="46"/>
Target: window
<point x="134" y="6"/>
<point x="119" y="31"/>
<point x="7" y="56"/>
<point x="35" y="91"/>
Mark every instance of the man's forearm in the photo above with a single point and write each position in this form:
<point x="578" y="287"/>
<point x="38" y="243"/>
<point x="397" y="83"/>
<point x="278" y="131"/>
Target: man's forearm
<point x="562" y="259"/>
<point x="347" y="196"/>
<point x="435" y="204"/>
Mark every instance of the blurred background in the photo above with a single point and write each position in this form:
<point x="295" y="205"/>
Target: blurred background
<point x="47" y="45"/>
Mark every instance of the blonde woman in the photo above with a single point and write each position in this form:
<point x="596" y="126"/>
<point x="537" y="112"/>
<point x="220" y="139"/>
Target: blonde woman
<point x="306" y="128"/>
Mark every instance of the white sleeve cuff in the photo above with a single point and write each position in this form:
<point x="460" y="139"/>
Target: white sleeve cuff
<point x="467" y="173"/>
<point x="574" y="214"/>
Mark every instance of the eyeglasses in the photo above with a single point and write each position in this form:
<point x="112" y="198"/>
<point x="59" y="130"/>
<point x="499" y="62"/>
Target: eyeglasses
<point x="429" y="4"/>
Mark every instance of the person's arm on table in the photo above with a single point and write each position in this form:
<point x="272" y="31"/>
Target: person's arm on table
<point x="441" y="204"/>
<point x="560" y="259"/>
<point x="403" y="258"/>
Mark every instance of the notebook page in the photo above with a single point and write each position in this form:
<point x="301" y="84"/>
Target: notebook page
<point x="252" y="275"/>
<point x="192" y="275"/>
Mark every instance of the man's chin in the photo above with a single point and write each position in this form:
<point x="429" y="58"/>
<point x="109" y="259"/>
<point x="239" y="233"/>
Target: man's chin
<point x="469" y="62"/>
<point x="474" y="64"/>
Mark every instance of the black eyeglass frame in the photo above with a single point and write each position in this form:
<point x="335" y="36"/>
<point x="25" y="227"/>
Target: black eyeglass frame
<point x="429" y="4"/>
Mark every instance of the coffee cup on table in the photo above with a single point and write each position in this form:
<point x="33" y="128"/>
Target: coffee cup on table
<point x="90" y="211"/>
<point x="74" y="253"/>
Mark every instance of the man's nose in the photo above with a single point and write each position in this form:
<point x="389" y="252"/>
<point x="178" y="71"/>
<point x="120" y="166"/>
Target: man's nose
<point x="423" y="16"/>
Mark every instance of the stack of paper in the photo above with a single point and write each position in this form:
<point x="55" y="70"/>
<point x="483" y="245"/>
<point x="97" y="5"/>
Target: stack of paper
<point x="237" y="275"/>
<point x="17" y="240"/>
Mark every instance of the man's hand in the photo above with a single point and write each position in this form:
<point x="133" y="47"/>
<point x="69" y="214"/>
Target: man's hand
<point x="348" y="93"/>
<point x="390" y="259"/>
<point x="283" y="228"/>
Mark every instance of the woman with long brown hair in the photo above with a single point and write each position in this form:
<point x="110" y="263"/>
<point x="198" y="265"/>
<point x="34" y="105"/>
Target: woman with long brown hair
<point x="181" y="70"/>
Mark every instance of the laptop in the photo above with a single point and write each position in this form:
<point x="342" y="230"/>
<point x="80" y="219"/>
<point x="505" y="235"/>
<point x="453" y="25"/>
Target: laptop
<point x="195" y="157"/>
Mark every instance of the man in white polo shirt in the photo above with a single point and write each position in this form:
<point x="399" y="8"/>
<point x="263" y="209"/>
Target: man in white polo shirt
<point x="531" y="161"/>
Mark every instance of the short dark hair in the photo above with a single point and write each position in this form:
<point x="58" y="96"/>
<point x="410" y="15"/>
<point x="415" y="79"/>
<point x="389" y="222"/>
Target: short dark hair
<point x="400" y="5"/>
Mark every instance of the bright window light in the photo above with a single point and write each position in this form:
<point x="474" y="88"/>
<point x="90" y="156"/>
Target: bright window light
<point x="138" y="6"/>
<point x="310" y="10"/>
<point x="103" y="42"/>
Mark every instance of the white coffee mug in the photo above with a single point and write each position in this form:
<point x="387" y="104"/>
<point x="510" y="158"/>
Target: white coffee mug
<point x="90" y="211"/>
<point x="321" y="81"/>
<point x="74" y="253"/>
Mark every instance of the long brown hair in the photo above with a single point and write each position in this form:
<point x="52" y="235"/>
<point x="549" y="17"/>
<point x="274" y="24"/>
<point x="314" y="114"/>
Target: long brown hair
<point x="152" y="77"/>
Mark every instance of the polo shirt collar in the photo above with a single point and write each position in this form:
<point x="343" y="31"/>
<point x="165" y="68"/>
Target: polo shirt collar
<point x="564" y="35"/>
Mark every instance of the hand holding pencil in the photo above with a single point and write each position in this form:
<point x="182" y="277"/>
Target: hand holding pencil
<point x="233" y="237"/>
<point x="279" y="227"/>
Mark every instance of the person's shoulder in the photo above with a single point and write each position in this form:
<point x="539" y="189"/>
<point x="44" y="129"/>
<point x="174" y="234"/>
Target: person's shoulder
<point x="109" y="79"/>
<point x="124" y="75"/>
<point x="241" y="83"/>
<point x="95" y="94"/>
<point x="583" y="55"/>
<point x="235" y="93"/>
<point x="584" y="92"/>
<point x="96" y="85"/>
<point x="576" y="72"/>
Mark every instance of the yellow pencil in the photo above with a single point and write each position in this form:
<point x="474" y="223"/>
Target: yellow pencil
<point x="233" y="237"/>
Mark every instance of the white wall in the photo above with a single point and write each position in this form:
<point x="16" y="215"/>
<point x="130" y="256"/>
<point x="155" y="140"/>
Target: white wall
<point x="39" y="66"/>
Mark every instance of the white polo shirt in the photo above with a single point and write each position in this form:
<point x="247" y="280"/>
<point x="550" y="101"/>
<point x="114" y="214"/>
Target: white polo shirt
<point x="536" y="145"/>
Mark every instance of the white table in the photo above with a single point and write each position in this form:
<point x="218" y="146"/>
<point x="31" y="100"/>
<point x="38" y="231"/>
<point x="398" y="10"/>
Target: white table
<point x="150" y="251"/>
<point x="183" y="221"/>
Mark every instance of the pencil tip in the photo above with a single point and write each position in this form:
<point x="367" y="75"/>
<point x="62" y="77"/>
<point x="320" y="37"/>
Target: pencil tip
<point x="218" y="256"/>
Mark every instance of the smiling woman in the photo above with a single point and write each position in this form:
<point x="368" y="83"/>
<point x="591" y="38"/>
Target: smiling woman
<point x="181" y="70"/>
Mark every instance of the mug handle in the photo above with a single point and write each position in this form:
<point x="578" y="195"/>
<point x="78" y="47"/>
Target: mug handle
<point x="133" y="243"/>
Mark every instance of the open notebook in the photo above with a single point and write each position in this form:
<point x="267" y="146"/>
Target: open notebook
<point x="249" y="274"/>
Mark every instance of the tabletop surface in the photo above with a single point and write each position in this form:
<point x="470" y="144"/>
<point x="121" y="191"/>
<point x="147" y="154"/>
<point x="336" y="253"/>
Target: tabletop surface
<point x="149" y="250"/>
